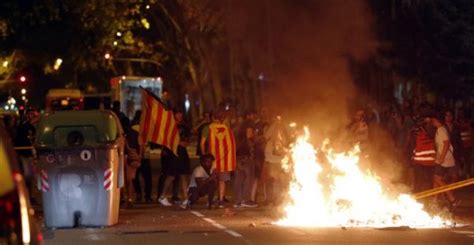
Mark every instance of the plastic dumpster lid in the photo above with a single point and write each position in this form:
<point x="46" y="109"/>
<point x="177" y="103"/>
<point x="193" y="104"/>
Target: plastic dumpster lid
<point x="105" y="123"/>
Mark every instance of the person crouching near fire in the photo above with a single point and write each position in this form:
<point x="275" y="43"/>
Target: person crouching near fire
<point x="203" y="182"/>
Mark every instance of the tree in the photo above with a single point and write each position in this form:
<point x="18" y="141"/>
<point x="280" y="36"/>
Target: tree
<point x="432" y="42"/>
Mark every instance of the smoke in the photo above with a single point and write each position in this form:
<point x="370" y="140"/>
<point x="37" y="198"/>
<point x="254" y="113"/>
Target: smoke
<point x="305" y="48"/>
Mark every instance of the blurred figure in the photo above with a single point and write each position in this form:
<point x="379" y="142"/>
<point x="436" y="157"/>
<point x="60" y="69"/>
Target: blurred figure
<point x="25" y="136"/>
<point x="145" y="169"/>
<point x="467" y="143"/>
<point x="133" y="156"/>
<point x="275" y="150"/>
<point x="359" y="130"/>
<point x="445" y="162"/>
<point x="204" y="122"/>
<point x="203" y="182"/>
<point x="116" y="108"/>
<point x="261" y="124"/>
<point x="455" y="139"/>
<point x="246" y="163"/>
<point x="10" y="126"/>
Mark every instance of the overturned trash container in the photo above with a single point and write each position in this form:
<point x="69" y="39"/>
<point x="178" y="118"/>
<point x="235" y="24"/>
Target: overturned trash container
<point x="80" y="159"/>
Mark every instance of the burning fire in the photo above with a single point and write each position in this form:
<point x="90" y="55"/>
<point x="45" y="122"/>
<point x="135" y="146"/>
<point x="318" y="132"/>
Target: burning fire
<point x="352" y="199"/>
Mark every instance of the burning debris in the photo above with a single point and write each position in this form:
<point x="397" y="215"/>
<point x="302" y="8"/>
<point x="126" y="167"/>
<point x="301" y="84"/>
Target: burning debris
<point x="351" y="197"/>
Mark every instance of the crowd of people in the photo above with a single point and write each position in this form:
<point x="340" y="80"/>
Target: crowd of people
<point x="433" y="144"/>
<point x="251" y="149"/>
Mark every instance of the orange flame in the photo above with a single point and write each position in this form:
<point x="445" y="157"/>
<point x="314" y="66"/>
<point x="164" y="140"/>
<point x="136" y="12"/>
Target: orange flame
<point x="353" y="199"/>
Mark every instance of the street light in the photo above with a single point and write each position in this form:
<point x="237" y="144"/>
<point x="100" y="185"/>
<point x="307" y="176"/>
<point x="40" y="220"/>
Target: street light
<point x="23" y="91"/>
<point x="57" y="64"/>
<point x="5" y="63"/>
<point x="107" y="56"/>
<point x="22" y="79"/>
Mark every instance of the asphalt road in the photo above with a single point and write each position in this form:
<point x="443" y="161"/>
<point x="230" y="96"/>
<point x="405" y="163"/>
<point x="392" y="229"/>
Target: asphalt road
<point x="151" y="224"/>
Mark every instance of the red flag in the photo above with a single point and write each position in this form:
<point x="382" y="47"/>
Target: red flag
<point x="157" y="125"/>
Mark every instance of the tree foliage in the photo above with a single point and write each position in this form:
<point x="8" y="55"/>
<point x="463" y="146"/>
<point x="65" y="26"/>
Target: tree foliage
<point x="433" y="42"/>
<point x="183" y="41"/>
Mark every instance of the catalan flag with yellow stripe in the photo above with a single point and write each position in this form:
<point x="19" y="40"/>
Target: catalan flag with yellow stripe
<point x="222" y="146"/>
<point x="157" y="125"/>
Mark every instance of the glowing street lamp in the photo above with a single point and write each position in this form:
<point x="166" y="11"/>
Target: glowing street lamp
<point x="107" y="56"/>
<point x="119" y="34"/>
<point x="57" y="64"/>
<point x="23" y="91"/>
<point x="5" y="63"/>
<point x="22" y="79"/>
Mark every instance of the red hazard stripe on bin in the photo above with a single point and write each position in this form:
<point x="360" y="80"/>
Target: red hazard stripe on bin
<point x="108" y="179"/>
<point x="44" y="181"/>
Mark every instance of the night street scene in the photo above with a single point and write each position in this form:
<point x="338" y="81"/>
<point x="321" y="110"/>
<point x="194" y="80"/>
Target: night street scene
<point x="236" y="122"/>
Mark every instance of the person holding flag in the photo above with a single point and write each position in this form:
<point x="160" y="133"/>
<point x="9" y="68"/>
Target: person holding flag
<point x="158" y="125"/>
<point x="218" y="140"/>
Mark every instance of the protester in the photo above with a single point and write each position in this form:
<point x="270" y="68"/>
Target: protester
<point x="261" y="124"/>
<point x="204" y="122"/>
<point x="275" y="150"/>
<point x="203" y="182"/>
<point x="116" y="108"/>
<point x="176" y="166"/>
<point x="218" y="136"/>
<point x="444" y="160"/>
<point x="467" y="143"/>
<point x="455" y="139"/>
<point x="423" y="157"/>
<point x="133" y="161"/>
<point x="245" y="170"/>
<point x="145" y="169"/>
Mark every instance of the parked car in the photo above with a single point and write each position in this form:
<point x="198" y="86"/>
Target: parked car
<point x="17" y="221"/>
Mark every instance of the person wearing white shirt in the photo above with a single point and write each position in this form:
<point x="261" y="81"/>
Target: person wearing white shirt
<point x="444" y="160"/>
<point x="203" y="182"/>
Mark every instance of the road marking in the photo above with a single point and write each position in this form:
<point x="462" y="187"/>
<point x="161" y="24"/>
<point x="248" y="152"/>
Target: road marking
<point x="209" y="220"/>
<point x="217" y="225"/>
<point x="200" y="215"/>
<point x="233" y="233"/>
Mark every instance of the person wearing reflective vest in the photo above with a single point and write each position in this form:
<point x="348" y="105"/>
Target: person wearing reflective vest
<point x="218" y="140"/>
<point x="423" y="158"/>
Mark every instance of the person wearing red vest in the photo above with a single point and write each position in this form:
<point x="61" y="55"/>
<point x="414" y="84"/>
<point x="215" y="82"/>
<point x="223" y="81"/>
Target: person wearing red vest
<point x="218" y="140"/>
<point x="423" y="157"/>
